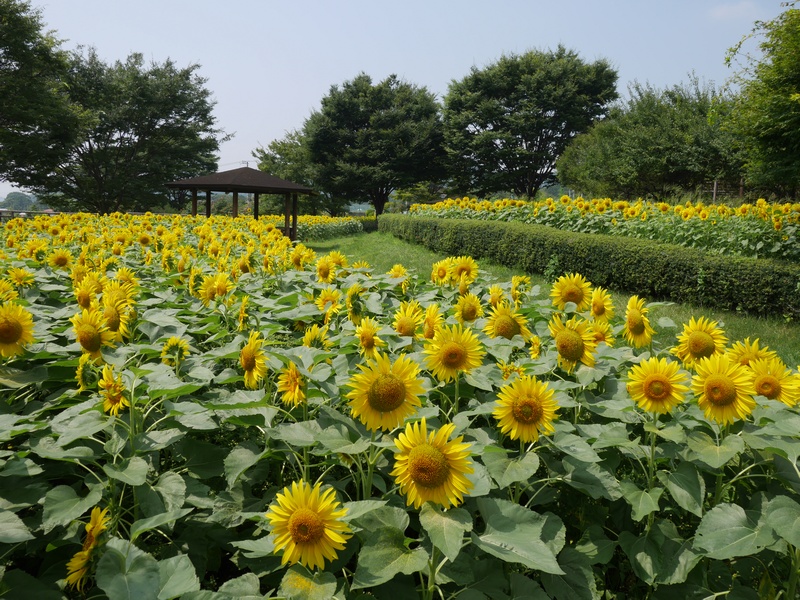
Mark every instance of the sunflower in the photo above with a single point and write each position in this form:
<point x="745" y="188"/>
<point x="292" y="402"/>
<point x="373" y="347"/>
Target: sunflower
<point x="464" y="269"/>
<point x="603" y="333"/>
<point x="7" y="291"/>
<point x="657" y="385"/>
<point x="637" y="329"/>
<point x="602" y="305"/>
<point x="307" y="525"/>
<point x="91" y="331"/>
<point x="113" y="391"/>
<point x="525" y="408"/>
<point x="442" y="273"/>
<point x="700" y="339"/>
<point x="504" y="322"/>
<point x="520" y="284"/>
<point x="398" y="271"/>
<point x="326" y="270"/>
<point x="174" y="351"/>
<point x="354" y="303"/>
<point x="430" y="466"/>
<point x="452" y="350"/>
<point x="60" y="259"/>
<point x="241" y="317"/>
<point x="746" y="352"/>
<point x="408" y="318"/>
<point x="292" y="385"/>
<point x="253" y="361"/>
<point x="21" y="277"/>
<point x="774" y="381"/>
<point x="574" y="341"/>
<point x="536" y="347"/>
<point x="84" y="374"/>
<point x="117" y="316"/>
<point x="432" y="321"/>
<point x="496" y="295"/>
<point x="572" y="288"/>
<point x="16" y="329"/>
<point x="468" y="308"/>
<point x="328" y="302"/>
<point x="368" y="340"/>
<point x="78" y="566"/>
<point x="724" y="389"/>
<point x="338" y="259"/>
<point x="317" y="337"/>
<point x="509" y="369"/>
<point x="385" y="394"/>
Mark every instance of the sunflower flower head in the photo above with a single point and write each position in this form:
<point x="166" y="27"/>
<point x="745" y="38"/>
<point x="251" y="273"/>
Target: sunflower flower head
<point x="637" y="329"/>
<point x="602" y="305"/>
<point x="468" y="308"/>
<point x="700" y="339"/>
<point x="504" y="321"/>
<point x="174" y="351"/>
<point x="724" y="389"/>
<point x="452" y="350"/>
<point x="368" y="340"/>
<point x="657" y="385"/>
<point x="91" y="331"/>
<point x="408" y="318"/>
<point x="292" y="386"/>
<point x="574" y="340"/>
<point x="113" y="391"/>
<point x="572" y="288"/>
<point x="432" y="321"/>
<point x="525" y="409"/>
<point x="745" y="352"/>
<point x="16" y="329"/>
<point x="253" y="360"/>
<point x="78" y="566"/>
<point x="774" y="381"/>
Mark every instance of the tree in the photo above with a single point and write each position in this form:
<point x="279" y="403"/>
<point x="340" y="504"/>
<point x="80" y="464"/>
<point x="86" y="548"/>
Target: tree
<point x="38" y="122"/>
<point x="657" y="143"/>
<point x="767" y="111"/>
<point x="141" y="126"/>
<point x="368" y="140"/>
<point x="18" y="201"/>
<point x="506" y="124"/>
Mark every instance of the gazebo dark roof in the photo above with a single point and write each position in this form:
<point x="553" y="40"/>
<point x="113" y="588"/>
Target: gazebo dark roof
<point x="244" y="179"/>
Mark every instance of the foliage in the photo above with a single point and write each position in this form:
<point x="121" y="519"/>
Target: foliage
<point x="506" y="124"/>
<point x="38" y="120"/>
<point x="613" y="501"/>
<point x="370" y="139"/>
<point x="656" y="144"/>
<point x="18" y="201"/>
<point x="654" y="270"/>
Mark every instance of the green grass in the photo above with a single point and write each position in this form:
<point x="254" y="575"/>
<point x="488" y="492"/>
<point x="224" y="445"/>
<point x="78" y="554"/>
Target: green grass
<point x="382" y="251"/>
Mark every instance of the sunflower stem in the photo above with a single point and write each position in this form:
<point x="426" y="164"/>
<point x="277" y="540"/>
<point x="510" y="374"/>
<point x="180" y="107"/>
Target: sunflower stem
<point x="430" y="589"/>
<point x="794" y="576"/>
<point x="651" y="467"/>
<point x="455" y="399"/>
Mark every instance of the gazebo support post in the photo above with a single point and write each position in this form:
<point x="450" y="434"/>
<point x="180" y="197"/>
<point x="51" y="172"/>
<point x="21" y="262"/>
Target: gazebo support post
<point x="286" y="230"/>
<point x="208" y="203"/>
<point x="194" y="203"/>
<point x="294" y="216"/>
<point x="235" y="204"/>
<point x="255" y="206"/>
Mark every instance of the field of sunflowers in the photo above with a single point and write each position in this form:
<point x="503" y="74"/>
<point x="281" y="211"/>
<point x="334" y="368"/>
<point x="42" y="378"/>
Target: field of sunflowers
<point x="201" y="409"/>
<point x="759" y="230"/>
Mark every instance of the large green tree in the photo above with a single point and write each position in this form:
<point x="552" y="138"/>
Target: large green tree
<point x="368" y="140"/>
<point x="658" y="142"/>
<point x="38" y="121"/>
<point x="767" y="113"/>
<point x="506" y="124"/>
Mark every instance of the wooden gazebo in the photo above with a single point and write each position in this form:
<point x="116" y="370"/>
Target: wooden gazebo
<point x="248" y="181"/>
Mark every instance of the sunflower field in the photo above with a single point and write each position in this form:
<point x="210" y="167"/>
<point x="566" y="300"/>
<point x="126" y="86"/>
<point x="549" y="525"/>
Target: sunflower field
<point x="201" y="409"/>
<point x="758" y="230"/>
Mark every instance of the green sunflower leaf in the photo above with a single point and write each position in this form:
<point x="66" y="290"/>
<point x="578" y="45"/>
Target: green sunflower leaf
<point x="177" y="576"/>
<point x="445" y="528"/>
<point x="728" y="531"/>
<point x="299" y="584"/>
<point x="707" y="450"/>
<point x="384" y="555"/>
<point x="783" y="515"/>
<point x="125" y="572"/>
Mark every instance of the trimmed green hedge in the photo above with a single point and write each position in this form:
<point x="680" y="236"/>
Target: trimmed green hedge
<point x="652" y="270"/>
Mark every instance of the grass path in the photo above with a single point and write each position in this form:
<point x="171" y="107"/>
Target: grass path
<point x="382" y="251"/>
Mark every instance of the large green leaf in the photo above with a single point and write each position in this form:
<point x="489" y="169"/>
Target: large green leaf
<point x="384" y="555"/>
<point x="142" y="525"/>
<point x="783" y="515"/>
<point x="642" y="502"/>
<point x="12" y="529"/>
<point x="577" y="582"/>
<point x="595" y="546"/>
<point x="191" y="415"/>
<point x="686" y="486"/>
<point x="299" y="584"/>
<point x="81" y="426"/>
<point x="125" y="572"/>
<point x="172" y="489"/>
<point x="132" y="471"/>
<point x="728" y="531"/>
<point x="660" y="555"/>
<point x="591" y="478"/>
<point x="239" y="460"/>
<point x="177" y="576"/>
<point x="446" y="528"/>
<point x="506" y="471"/>
<point x="707" y="450"/>
<point x="62" y="505"/>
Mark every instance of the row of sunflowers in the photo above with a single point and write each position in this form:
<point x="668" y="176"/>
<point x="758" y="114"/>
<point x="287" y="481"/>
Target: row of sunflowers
<point x="200" y="408"/>
<point x="760" y="230"/>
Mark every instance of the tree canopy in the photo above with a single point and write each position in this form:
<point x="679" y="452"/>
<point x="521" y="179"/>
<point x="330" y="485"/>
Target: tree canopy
<point x="368" y="140"/>
<point x="506" y="124"/>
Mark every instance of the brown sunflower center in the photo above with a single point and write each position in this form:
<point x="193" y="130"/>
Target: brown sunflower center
<point x="112" y="317"/>
<point x="428" y="466"/>
<point x="768" y="386"/>
<point x="635" y="322"/>
<point x="469" y="312"/>
<point x="386" y="393"/>
<point x="569" y="344"/>
<point x="656" y="387"/>
<point x="527" y="410"/>
<point x="700" y="344"/>
<point x="367" y="340"/>
<point x="89" y="338"/>
<point x="248" y="358"/>
<point x="719" y="389"/>
<point x="454" y="356"/>
<point x="441" y="273"/>
<point x="306" y="526"/>
<point x="598" y="308"/>
<point x="505" y="326"/>
<point x="10" y="331"/>
<point x="323" y="271"/>
<point x="60" y="260"/>
<point x="406" y="326"/>
<point x="572" y="293"/>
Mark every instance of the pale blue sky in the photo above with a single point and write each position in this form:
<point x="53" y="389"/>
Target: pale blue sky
<point x="269" y="63"/>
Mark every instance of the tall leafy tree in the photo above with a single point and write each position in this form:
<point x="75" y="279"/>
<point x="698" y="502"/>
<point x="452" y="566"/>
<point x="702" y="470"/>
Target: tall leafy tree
<point x="38" y="122"/>
<point x="767" y="112"/>
<point x="370" y="139"/>
<point x="506" y="124"/>
<point x="141" y="126"/>
<point x="659" y="142"/>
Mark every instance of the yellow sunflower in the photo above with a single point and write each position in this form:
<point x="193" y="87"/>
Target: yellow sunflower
<point x="746" y="352"/>
<point x="113" y="393"/>
<point x="442" y="273"/>
<point x="21" y="277"/>
<point x="354" y="303"/>
<point x="603" y="333"/>
<point x="509" y="369"/>
<point x="84" y="292"/>
<point x="307" y="525"/>
<point x="408" y="318"/>
<point x="432" y="321"/>
<point x="536" y="347"/>
<point x="572" y="288"/>
<point x="574" y="341"/>
<point x="317" y="337"/>
<point x="253" y="361"/>
<point x="724" y="389"/>
<point x="496" y="295"/>
<point x="774" y="381"/>
<point x="174" y="351"/>
<point x="91" y="331"/>
<point x="657" y="385"/>
<point x="468" y="308"/>
<point x="430" y="466"/>
<point x="292" y="385"/>
<point x="8" y="291"/>
<point x="525" y="408"/>
<point x="84" y="374"/>
<point x="60" y="259"/>
<point x="520" y="285"/>
<point x="602" y="305"/>
<point x="326" y="270"/>
<point x="452" y="350"/>
<point x="700" y="339"/>
<point x="398" y="271"/>
<point x="78" y="566"/>
<point x="464" y="269"/>
<point x="241" y="317"/>
<point x="328" y="302"/>
<point x="117" y="315"/>
<point x="503" y="321"/>
<point x="368" y="340"/>
<point x="637" y="329"/>
<point x="385" y="394"/>
<point x="16" y="329"/>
